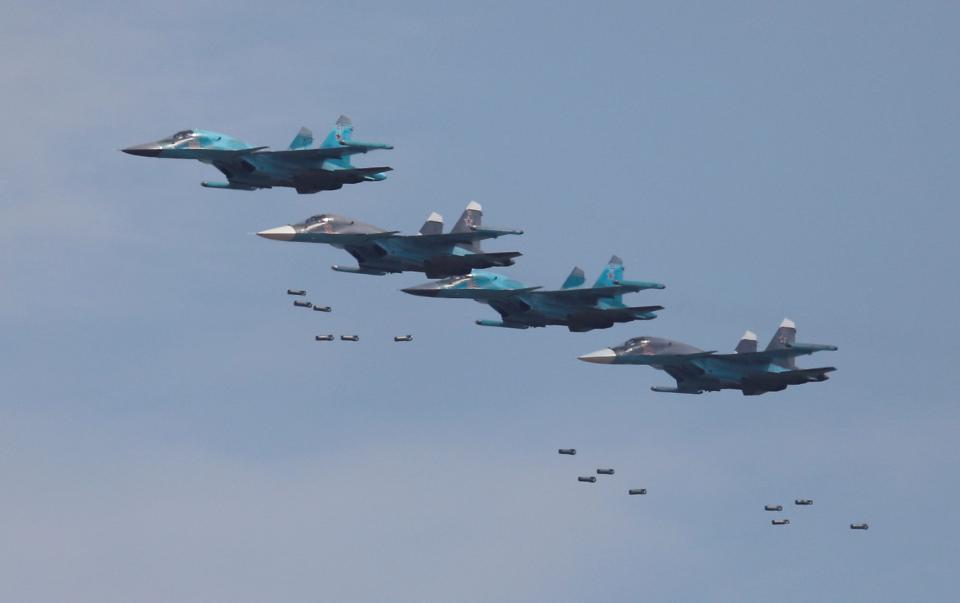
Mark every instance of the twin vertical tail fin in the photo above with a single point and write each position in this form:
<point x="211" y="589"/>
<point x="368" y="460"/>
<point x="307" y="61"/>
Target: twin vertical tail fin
<point x="576" y="278"/>
<point x="342" y="132"/>
<point x="302" y="140"/>
<point x="748" y="343"/>
<point x="471" y="218"/>
<point x="612" y="274"/>
<point x="433" y="225"/>
<point x="785" y="337"/>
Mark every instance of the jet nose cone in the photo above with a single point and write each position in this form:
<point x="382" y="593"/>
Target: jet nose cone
<point x="143" y="150"/>
<point x="280" y="233"/>
<point x="604" y="356"/>
<point x="424" y="290"/>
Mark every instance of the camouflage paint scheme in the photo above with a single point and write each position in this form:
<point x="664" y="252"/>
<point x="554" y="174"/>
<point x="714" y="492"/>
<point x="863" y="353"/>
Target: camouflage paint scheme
<point x="697" y="371"/>
<point x="520" y="307"/>
<point x="379" y="252"/>
<point x="306" y="169"/>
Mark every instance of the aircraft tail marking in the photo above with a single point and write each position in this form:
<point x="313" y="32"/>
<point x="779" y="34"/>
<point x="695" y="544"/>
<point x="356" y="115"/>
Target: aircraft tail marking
<point x="785" y="336"/>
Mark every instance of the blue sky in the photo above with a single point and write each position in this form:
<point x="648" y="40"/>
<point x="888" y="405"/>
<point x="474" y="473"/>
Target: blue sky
<point x="170" y="431"/>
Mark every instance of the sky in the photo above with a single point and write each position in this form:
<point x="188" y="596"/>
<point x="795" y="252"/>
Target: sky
<point x="169" y="430"/>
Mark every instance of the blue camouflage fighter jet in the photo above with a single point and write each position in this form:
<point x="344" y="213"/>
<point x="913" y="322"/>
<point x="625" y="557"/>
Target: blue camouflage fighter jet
<point x="379" y="251"/>
<point x="747" y="370"/>
<point x="578" y="308"/>
<point x="301" y="166"/>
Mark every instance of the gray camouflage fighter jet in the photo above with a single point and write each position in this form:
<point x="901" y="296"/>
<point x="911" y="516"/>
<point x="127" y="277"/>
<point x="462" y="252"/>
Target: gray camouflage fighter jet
<point x="747" y="370"/>
<point x="379" y="251"/>
<point x="578" y="308"/>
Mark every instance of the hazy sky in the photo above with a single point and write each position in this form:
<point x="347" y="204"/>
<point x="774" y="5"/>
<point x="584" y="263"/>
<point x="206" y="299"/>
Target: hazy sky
<point x="169" y="430"/>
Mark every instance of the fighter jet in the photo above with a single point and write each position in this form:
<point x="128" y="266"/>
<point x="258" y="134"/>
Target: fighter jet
<point x="379" y="251"/>
<point x="578" y="308"/>
<point x="302" y="304"/>
<point x="302" y="167"/>
<point x="747" y="370"/>
<point x="402" y="338"/>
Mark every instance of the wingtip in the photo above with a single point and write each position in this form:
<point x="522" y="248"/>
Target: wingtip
<point x="435" y="217"/>
<point x="787" y="324"/>
<point x="474" y="206"/>
<point x="750" y="336"/>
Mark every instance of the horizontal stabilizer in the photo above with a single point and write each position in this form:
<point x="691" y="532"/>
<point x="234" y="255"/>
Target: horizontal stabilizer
<point x="364" y="171"/>
<point x="363" y="147"/>
<point x="641" y="285"/>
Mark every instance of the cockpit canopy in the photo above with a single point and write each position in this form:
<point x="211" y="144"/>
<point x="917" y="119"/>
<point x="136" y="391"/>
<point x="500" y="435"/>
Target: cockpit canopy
<point x="318" y="219"/>
<point x="181" y="135"/>
<point x="637" y="342"/>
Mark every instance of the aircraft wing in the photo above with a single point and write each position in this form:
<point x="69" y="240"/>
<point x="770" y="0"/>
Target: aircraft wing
<point x="588" y="296"/>
<point x="487" y="295"/>
<point x="213" y="155"/>
<point x="348" y="240"/>
<point x="477" y="234"/>
<point x="327" y="152"/>
<point x="797" y="349"/>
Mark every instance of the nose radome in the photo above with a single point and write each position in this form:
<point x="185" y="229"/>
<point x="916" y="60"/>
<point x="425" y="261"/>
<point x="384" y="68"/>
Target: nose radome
<point x="143" y="150"/>
<point x="604" y="356"/>
<point x="280" y="233"/>
<point x="424" y="290"/>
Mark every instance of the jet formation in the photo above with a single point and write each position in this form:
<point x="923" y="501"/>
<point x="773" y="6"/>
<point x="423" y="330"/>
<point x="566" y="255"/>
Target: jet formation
<point x="300" y="166"/>
<point x="460" y="269"/>
<point x="747" y="370"/>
